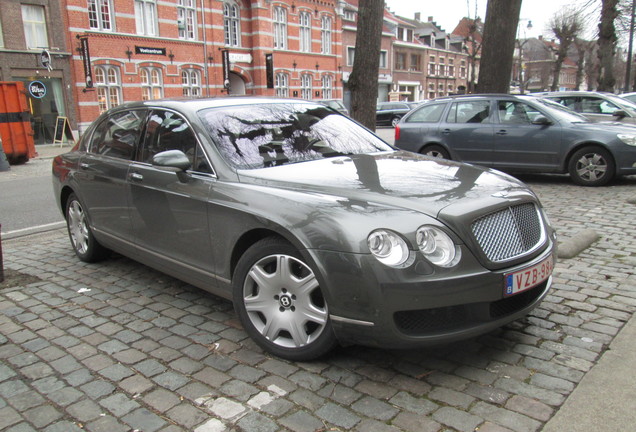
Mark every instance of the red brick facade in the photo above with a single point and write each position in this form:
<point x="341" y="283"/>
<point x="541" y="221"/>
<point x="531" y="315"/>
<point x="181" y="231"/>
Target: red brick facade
<point x="145" y="49"/>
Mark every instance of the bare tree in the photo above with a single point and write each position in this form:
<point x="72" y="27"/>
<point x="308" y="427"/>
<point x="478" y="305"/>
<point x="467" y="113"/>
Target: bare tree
<point x="500" y="28"/>
<point x="582" y="48"/>
<point x="566" y="25"/>
<point x="607" y="45"/>
<point x="363" y="81"/>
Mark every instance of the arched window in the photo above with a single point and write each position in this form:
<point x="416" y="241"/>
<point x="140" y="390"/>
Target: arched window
<point x="280" y="28"/>
<point x="325" y="35"/>
<point x="305" y="86"/>
<point x="327" y="84"/>
<point x="232" y="24"/>
<point x="151" y="83"/>
<point x="191" y="82"/>
<point x="282" y="85"/>
<point x="304" y="18"/>
<point x="108" y="85"/>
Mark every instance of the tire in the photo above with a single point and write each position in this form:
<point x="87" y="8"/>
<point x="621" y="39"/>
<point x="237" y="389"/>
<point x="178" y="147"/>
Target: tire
<point x="436" y="151"/>
<point x="592" y="166"/>
<point x="279" y="302"/>
<point x="395" y="120"/>
<point x="84" y="244"/>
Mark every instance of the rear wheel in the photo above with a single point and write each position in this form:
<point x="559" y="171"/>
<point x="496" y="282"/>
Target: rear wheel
<point x="84" y="244"/>
<point x="436" y="151"/>
<point x="279" y="302"/>
<point x="592" y="166"/>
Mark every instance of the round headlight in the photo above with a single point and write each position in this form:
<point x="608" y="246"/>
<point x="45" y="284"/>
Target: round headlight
<point x="389" y="248"/>
<point x="437" y="246"/>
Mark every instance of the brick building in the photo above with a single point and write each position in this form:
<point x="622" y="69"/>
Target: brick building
<point x="146" y="49"/>
<point x="27" y="29"/>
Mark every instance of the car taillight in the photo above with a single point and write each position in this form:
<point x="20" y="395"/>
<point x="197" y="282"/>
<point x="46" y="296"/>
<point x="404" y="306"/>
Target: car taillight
<point x="397" y="133"/>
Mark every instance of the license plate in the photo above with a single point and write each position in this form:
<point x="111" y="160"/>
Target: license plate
<point x="525" y="279"/>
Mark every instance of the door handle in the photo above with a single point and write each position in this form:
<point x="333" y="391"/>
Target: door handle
<point x="502" y="132"/>
<point x="446" y="131"/>
<point x="84" y="165"/>
<point x="136" y="177"/>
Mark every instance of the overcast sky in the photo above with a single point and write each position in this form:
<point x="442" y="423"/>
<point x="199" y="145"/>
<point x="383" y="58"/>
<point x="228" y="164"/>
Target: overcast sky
<point x="447" y="13"/>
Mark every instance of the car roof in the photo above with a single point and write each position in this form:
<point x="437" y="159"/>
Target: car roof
<point x="483" y="96"/>
<point x="197" y="104"/>
<point x="574" y="93"/>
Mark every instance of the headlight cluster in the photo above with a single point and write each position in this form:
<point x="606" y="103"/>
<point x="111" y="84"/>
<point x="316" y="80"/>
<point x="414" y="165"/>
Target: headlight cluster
<point x="391" y="249"/>
<point x="627" y="139"/>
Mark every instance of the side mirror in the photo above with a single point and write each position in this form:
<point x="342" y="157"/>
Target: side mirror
<point x="172" y="159"/>
<point x="541" y="120"/>
<point x="620" y="114"/>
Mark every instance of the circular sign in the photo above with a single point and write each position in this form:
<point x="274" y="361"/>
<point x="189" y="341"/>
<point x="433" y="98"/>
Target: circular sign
<point x="37" y="89"/>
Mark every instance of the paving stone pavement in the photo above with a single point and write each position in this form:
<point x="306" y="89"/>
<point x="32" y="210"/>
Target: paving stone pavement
<point x="117" y="346"/>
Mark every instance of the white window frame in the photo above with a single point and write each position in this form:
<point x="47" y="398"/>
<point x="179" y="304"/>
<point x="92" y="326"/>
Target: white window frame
<point x="146" y="17"/>
<point x="325" y="35"/>
<point x="108" y="84"/>
<point x="151" y="83"/>
<point x="327" y="86"/>
<point x="304" y="21"/>
<point x="351" y="55"/>
<point x="384" y="56"/>
<point x="232" y="24"/>
<point x="187" y="17"/>
<point x="280" y="28"/>
<point x="1" y="36"/>
<point x="100" y="16"/>
<point x="306" y="81"/>
<point x="281" y="84"/>
<point x="191" y="82"/>
<point x="34" y="24"/>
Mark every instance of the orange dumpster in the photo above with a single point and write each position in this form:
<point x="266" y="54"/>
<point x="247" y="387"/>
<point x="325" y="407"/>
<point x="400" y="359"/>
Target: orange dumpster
<point x="15" y="123"/>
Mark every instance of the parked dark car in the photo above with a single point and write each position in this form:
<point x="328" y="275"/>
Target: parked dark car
<point x="316" y="229"/>
<point x="597" y="106"/>
<point x="390" y="113"/>
<point x="520" y="134"/>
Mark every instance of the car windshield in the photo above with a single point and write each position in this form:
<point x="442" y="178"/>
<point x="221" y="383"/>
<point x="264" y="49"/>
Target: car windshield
<point x="625" y="103"/>
<point x="267" y="135"/>
<point x="561" y="112"/>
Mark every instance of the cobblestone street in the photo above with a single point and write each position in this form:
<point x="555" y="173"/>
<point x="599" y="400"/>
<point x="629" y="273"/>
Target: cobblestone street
<point x="116" y="346"/>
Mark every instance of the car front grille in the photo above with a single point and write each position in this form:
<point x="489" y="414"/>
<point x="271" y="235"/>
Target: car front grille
<point x="509" y="233"/>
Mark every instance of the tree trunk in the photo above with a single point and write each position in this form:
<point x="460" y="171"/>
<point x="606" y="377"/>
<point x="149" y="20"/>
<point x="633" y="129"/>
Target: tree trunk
<point x="363" y="81"/>
<point x="497" y="49"/>
<point x="607" y="45"/>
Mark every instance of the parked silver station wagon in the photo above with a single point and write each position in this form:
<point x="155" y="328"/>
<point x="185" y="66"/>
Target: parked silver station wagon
<point x="318" y="231"/>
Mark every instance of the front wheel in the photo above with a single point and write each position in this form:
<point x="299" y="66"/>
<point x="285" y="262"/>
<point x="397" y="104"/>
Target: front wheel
<point x="84" y="244"/>
<point x="592" y="166"/>
<point x="279" y="302"/>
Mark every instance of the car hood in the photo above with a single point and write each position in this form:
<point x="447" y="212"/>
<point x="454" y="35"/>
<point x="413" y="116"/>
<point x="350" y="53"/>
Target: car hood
<point x="396" y="179"/>
<point x="607" y="127"/>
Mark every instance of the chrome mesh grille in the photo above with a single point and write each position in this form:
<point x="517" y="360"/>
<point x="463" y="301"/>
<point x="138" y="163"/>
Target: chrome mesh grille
<point x="509" y="233"/>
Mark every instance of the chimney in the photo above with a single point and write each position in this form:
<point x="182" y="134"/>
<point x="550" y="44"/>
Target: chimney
<point x="430" y="19"/>
<point x="418" y="15"/>
<point x="540" y="37"/>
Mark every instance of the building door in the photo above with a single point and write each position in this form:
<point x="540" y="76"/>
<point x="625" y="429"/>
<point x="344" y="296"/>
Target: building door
<point x="237" y="85"/>
<point x="45" y="109"/>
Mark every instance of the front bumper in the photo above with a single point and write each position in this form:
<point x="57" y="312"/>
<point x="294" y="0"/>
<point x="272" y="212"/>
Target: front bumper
<point x="371" y="304"/>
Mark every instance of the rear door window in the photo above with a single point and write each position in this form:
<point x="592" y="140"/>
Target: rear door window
<point x="469" y="112"/>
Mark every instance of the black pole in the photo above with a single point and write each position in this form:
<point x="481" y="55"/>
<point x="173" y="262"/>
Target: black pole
<point x="628" y="69"/>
